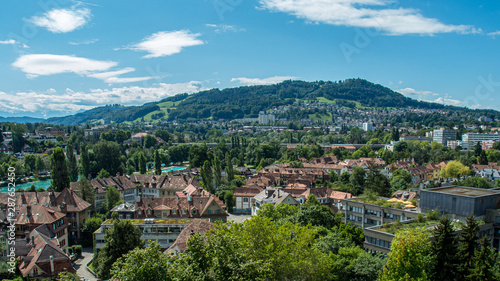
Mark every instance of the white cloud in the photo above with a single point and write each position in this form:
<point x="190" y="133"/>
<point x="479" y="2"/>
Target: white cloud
<point x="430" y="97"/>
<point x="47" y="64"/>
<point x="494" y="34"/>
<point x="84" y="42"/>
<point x="62" y="20"/>
<point x="51" y="103"/>
<point x="165" y="43"/>
<point x="448" y="101"/>
<point x="110" y="77"/>
<point x="13" y="42"/>
<point x="262" y="81"/>
<point x="8" y="42"/>
<point x="378" y="14"/>
<point x="412" y="93"/>
<point x="221" y="28"/>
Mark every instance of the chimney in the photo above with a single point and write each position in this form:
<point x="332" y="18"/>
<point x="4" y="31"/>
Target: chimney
<point x="117" y="174"/>
<point x="51" y="258"/>
<point x="28" y="211"/>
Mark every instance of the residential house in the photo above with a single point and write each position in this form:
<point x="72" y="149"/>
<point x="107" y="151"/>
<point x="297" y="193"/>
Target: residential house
<point x="192" y="202"/>
<point x="274" y="196"/>
<point x="6" y="148"/>
<point x="41" y="257"/>
<point x="29" y="217"/>
<point x="196" y="226"/>
<point x="244" y="197"/>
<point x="327" y="196"/>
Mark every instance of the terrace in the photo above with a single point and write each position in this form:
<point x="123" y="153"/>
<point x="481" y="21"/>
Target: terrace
<point x="387" y="202"/>
<point x="153" y="221"/>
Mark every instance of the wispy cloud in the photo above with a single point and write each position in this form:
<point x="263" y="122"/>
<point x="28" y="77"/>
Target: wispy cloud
<point x="494" y="34"/>
<point x="378" y="14"/>
<point x="47" y="64"/>
<point x="262" y="81"/>
<point x="13" y="42"/>
<point x="84" y="42"/>
<point x="166" y="43"/>
<point x="430" y="96"/>
<point x="111" y="77"/>
<point x="221" y="28"/>
<point x="62" y="20"/>
<point x="51" y="103"/>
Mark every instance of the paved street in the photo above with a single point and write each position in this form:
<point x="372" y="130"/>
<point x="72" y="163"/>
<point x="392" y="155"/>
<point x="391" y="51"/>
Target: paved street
<point x="238" y="218"/>
<point x="87" y="254"/>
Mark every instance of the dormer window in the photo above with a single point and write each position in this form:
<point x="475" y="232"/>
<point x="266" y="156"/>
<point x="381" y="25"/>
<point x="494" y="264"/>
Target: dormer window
<point x="183" y="211"/>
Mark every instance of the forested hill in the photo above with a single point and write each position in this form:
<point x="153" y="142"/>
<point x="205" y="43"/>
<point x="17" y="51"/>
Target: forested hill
<point x="247" y="101"/>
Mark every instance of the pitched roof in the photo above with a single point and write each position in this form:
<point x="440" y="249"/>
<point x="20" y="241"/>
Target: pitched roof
<point x="196" y="226"/>
<point x="45" y="247"/>
<point x="72" y="202"/>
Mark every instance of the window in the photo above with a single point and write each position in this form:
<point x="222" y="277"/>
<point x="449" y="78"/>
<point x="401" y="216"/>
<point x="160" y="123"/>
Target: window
<point x="183" y="211"/>
<point x="174" y="211"/>
<point x="218" y="211"/>
<point x="245" y="199"/>
<point x="140" y="212"/>
<point x="209" y="212"/>
<point x="164" y="214"/>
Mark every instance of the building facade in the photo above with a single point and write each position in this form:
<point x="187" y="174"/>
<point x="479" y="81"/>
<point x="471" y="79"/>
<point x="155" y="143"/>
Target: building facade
<point x="442" y="136"/>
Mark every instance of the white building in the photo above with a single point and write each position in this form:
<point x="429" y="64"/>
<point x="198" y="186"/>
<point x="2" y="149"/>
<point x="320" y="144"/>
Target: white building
<point x="473" y="138"/>
<point x="442" y="136"/>
<point x="368" y="126"/>
<point x="266" y="118"/>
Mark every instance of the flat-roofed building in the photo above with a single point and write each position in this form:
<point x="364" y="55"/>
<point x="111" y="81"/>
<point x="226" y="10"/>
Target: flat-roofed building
<point x="366" y="212"/>
<point x="442" y="136"/>
<point x="460" y="201"/>
<point x="164" y="231"/>
<point x="379" y="238"/>
<point x="473" y="138"/>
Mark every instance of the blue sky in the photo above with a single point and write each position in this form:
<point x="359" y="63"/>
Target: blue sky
<point x="60" y="57"/>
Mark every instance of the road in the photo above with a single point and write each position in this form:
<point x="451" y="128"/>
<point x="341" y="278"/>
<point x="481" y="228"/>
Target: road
<point x="238" y="218"/>
<point x="87" y="254"/>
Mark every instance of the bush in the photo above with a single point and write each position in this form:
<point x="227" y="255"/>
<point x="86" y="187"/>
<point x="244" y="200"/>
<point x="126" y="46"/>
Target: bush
<point x="76" y="249"/>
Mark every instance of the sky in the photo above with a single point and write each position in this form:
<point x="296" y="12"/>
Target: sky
<point x="60" y="57"/>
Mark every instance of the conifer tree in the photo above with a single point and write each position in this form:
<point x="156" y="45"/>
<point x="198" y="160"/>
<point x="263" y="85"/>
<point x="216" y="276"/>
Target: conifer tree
<point x="444" y="248"/>
<point x="467" y="245"/>
<point x="483" y="262"/>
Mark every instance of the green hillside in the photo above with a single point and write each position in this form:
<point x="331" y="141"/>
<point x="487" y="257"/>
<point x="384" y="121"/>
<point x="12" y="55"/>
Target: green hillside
<point x="247" y="101"/>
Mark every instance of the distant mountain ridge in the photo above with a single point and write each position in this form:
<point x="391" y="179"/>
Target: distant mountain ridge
<point x="24" y="119"/>
<point x="247" y="101"/>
